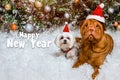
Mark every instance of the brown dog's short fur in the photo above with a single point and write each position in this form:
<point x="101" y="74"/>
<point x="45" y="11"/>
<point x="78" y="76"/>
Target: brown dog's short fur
<point x="95" y="45"/>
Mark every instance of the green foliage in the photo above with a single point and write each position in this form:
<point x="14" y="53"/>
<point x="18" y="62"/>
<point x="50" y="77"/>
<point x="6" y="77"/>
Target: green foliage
<point x="56" y="15"/>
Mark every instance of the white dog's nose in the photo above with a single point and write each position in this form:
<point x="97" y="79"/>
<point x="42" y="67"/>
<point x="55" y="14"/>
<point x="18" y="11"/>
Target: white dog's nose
<point x="65" y="42"/>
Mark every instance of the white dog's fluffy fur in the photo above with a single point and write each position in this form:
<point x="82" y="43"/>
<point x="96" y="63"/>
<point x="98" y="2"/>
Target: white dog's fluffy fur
<point x="67" y="44"/>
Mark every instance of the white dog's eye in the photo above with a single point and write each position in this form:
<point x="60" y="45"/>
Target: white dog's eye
<point x="62" y="37"/>
<point x="68" y="38"/>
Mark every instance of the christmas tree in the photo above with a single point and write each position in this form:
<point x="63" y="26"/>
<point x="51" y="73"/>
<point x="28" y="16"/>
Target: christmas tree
<point x="40" y="15"/>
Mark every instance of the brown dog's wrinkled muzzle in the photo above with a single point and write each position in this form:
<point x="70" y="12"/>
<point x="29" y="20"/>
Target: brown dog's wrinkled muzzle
<point x="91" y="30"/>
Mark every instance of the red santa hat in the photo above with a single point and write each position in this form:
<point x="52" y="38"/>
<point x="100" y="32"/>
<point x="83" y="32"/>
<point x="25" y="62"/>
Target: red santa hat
<point x="98" y="13"/>
<point x="66" y="28"/>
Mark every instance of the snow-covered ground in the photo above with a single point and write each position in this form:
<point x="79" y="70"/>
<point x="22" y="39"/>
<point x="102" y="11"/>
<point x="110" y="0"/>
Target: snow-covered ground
<point x="42" y="63"/>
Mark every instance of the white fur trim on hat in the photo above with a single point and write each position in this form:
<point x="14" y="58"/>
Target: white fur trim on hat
<point x="99" y="18"/>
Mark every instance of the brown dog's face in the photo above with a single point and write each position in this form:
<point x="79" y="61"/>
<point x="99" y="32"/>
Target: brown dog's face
<point x="91" y="30"/>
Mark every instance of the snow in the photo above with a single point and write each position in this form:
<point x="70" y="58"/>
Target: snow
<point x="42" y="64"/>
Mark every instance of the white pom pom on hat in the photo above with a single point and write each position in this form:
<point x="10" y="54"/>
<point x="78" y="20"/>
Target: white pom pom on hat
<point x="97" y="14"/>
<point x="66" y="22"/>
<point x="102" y="5"/>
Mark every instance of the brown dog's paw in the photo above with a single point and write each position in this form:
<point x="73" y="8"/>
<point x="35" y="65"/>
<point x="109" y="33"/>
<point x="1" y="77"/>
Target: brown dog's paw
<point x="76" y="65"/>
<point x="95" y="74"/>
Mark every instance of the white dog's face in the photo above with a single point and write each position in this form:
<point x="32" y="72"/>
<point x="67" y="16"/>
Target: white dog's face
<point x="64" y="40"/>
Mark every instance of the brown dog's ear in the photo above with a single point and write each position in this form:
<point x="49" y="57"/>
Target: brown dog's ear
<point x="78" y="39"/>
<point x="81" y="23"/>
<point x="104" y="26"/>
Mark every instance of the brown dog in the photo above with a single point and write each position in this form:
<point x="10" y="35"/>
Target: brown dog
<point x="95" y="45"/>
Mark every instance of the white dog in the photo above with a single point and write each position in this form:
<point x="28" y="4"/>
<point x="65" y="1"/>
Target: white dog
<point x="67" y="44"/>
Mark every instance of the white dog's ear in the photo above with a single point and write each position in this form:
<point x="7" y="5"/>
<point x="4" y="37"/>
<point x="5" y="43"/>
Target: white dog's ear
<point x="57" y="42"/>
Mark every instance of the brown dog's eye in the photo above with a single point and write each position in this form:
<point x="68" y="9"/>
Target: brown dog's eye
<point x="97" y="26"/>
<point x="62" y="37"/>
<point x="86" y="25"/>
<point x="68" y="38"/>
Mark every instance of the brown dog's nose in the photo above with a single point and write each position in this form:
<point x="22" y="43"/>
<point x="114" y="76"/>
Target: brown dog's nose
<point x="91" y="30"/>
